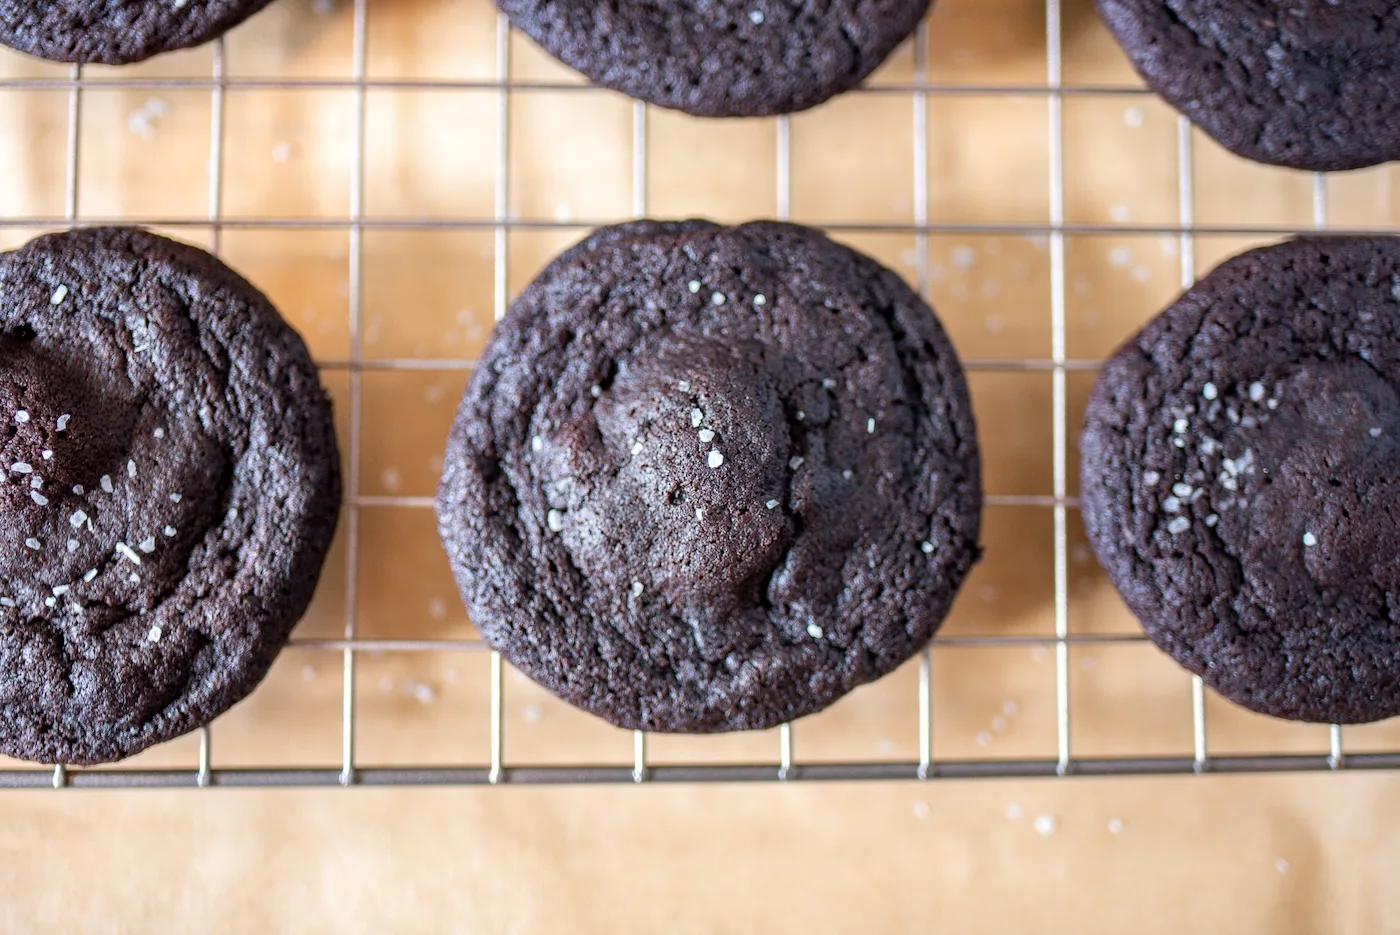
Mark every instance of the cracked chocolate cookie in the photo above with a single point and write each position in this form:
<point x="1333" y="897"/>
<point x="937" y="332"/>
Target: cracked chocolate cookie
<point x="721" y="58"/>
<point x="1241" y="479"/>
<point x="1308" y="84"/>
<point x="116" y="32"/>
<point x="170" y="488"/>
<point x="712" y="478"/>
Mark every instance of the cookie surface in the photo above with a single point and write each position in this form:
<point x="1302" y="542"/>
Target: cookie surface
<point x="116" y="32"/>
<point x="171" y="486"/>
<point x="1308" y="84"/>
<point x="1241" y="479"/>
<point x="721" y="58"/>
<point x="709" y="478"/>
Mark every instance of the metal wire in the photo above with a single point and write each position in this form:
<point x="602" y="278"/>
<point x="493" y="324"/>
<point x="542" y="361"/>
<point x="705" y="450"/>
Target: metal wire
<point x="786" y="765"/>
<point x="359" y="44"/>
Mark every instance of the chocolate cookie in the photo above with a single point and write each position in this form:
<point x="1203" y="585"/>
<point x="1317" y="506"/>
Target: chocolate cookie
<point x="106" y="32"/>
<point x="1308" y="84"/>
<point x="1241" y="479"/>
<point x="170" y="488"/>
<point x="721" y="58"/>
<point x="710" y="478"/>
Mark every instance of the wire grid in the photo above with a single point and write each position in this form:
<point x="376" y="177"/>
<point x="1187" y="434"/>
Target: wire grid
<point x="783" y="767"/>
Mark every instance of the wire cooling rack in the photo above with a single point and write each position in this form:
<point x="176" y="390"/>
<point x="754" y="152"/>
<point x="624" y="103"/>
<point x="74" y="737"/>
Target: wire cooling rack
<point x="783" y="766"/>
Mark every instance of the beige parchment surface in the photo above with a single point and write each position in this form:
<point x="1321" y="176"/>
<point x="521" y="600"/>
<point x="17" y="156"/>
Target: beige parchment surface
<point x="1239" y="854"/>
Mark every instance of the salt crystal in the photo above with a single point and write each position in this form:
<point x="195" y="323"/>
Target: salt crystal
<point x="772" y="504"/>
<point x="706" y="436"/>
<point x="1309" y="539"/>
<point x="555" y="519"/>
<point x="795" y="462"/>
<point x="927" y="547"/>
<point x="696" y="418"/>
<point x="1181" y="489"/>
<point x="1256" y="392"/>
<point x="1151" y="478"/>
<point x="32" y="543"/>
<point x="715" y="459"/>
<point x="815" y="632"/>
<point x="1209" y="391"/>
<point x="637" y="589"/>
<point x="154" y="635"/>
<point x="1046" y="825"/>
<point x="1179" y="525"/>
